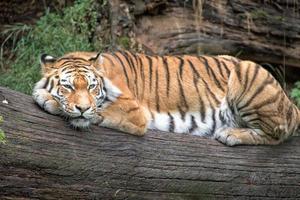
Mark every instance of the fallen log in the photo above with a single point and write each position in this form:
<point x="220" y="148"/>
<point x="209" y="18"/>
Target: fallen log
<point x="44" y="158"/>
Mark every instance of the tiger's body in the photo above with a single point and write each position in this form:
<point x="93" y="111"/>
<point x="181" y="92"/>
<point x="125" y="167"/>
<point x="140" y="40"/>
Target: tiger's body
<point x="233" y="101"/>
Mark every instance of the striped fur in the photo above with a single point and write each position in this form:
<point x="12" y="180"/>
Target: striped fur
<point x="233" y="101"/>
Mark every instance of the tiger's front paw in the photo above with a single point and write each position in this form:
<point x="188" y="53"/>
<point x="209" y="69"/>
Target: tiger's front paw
<point x="45" y="100"/>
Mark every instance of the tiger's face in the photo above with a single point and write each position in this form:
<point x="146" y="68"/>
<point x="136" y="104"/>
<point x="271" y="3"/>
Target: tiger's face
<point x="80" y="90"/>
<point x="80" y="94"/>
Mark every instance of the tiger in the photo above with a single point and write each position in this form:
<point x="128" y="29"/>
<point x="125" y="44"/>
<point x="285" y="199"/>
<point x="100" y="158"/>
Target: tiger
<point x="236" y="102"/>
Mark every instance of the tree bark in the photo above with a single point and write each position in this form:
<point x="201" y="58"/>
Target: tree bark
<point x="44" y="158"/>
<point x="262" y="31"/>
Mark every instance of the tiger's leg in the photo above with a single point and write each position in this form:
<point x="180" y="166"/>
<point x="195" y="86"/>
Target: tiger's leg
<point x="44" y="99"/>
<point x="262" y="112"/>
<point x="126" y="115"/>
<point x="237" y="136"/>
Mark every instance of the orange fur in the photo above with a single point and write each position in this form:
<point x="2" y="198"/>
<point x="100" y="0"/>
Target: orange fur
<point x="240" y="102"/>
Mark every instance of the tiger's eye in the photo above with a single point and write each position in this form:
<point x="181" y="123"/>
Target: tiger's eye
<point x="92" y="86"/>
<point x="68" y="86"/>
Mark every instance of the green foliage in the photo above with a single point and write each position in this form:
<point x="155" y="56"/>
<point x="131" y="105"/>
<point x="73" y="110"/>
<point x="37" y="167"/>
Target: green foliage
<point x="124" y="42"/>
<point x="295" y="94"/>
<point x="53" y="34"/>
<point x="2" y="134"/>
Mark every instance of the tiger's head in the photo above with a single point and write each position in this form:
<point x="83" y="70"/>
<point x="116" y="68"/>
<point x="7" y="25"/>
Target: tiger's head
<point x="77" y="84"/>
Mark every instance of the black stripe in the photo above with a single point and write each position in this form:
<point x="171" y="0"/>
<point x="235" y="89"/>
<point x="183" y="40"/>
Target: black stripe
<point x="83" y="71"/>
<point x="247" y="87"/>
<point x="51" y="85"/>
<point x="247" y="76"/>
<point x="150" y="71"/>
<point x="223" y="121"/>
<point x="129" y="62"/>
<point x="259" y="89"/>
<point x="81" y="65"/>
<point x="171" y="123"/>
<point x="214" y="120"/>
<point x="253" y="76"/>
<point x="211" y="93"/>
<point x="68" y="72"/>
<point x="181" y="64"/>
<point x="130" y="55"/>
<point x="218" y="65"/>
<point x="182" y="113"/>
<point x="211" y="72"/>
<point x="213" y="114"/>
<point x="167" y="73"/>
<point x="226" y="68"/>
<point x="132" y="68"/>
<point x="123" y="67"/>
<point x="238" y="73"/>
<point x="142" y="73"/>
<point x="193" y="125"/>
<point x="264" y="103"/>
<point x="181" y="95"/>
<point x="196" y="77"/>
<point x="244" y="85"/>
<point x="46" y="83"/>
<point x="65" y="63"/>
<point x="156" y="90"/>
<point x="73" y="59"/>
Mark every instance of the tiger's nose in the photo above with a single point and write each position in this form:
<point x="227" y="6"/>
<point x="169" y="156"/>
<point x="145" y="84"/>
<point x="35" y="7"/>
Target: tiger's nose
<point x="81" y="108"/>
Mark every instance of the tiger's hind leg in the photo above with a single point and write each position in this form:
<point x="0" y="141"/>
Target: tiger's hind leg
<point x="238" y="136"/>
<point x="261" y="112"/>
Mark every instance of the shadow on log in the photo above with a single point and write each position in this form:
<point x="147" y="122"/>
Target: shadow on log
<point x="44" y="158"/>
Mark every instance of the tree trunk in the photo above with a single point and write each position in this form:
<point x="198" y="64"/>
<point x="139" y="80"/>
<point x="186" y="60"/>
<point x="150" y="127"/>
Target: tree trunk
<point x="44" y="158"/>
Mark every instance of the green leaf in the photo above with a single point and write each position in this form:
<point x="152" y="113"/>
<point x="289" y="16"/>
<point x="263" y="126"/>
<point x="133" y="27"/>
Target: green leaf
<point x="2" y="137"/>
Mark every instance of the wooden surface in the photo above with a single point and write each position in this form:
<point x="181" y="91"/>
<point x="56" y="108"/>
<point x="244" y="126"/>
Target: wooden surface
<point x="44" y="158"/>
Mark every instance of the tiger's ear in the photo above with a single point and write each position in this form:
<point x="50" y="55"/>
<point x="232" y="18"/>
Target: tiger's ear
<point x="98" y="59"/>
<point x="47" y="63"/>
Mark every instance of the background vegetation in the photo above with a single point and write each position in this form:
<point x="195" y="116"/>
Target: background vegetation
<point x="55" y="33"/>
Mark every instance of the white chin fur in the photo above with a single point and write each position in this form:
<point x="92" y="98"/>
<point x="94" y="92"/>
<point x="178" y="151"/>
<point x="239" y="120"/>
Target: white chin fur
<point x="80" y="123"/>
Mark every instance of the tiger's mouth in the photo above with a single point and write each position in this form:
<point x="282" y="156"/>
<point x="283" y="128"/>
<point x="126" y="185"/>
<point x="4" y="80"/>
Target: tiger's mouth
<point x="80" y="122"/>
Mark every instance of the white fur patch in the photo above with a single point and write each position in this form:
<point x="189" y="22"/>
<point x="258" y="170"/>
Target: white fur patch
<point x="180" y="125"/>
<point x="80" y="122"/>
<point x="112" y="91"/>
<point x="162" y="122"/>
<point x="48" y="57"/>
<point x="100" y="59"/>
<point x="204" y="127"/>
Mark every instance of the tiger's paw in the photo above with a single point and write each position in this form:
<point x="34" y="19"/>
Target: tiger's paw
<point x="45" y="100"/>
<point x="226" y="136"/>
